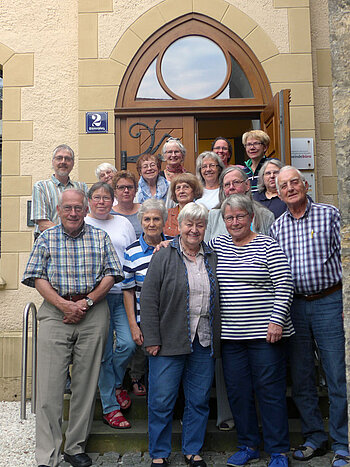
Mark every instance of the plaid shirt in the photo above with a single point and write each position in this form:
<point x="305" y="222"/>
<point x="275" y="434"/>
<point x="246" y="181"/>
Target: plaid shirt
<point x="45" y="199"/>
<point x="312" y="246"/>
<point x="72" y="265"/>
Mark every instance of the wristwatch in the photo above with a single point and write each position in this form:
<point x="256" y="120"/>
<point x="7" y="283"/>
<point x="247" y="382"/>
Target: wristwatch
<point x="89" y="302"/>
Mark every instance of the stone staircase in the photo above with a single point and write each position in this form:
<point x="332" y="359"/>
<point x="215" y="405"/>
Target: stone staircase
<point x="105" y="439"/>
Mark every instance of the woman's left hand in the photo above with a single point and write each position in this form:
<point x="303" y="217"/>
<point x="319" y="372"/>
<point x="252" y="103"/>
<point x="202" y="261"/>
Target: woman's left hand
<point x="153" y="350"/>
<point x="274" y="333"/>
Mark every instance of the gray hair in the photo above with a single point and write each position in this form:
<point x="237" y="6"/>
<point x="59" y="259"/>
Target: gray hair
<point x="172" y="140"/>
<point x="261" y="183"/>
<point x="153" y="204"/>
<point x="194" y="212"/>
<point x="238" y="201"/>
<point x="289" y="167"/>
<point x="75" y="190"/>
<point x="97" y="186"/>
<point x="208" y="155"/>
<point x="229" y="169"/>
<point x="63" y="147"/>
<point x="104" y="166"/>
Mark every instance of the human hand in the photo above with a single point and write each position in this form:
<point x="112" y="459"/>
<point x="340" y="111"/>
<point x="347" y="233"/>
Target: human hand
<point x="73" y="311"/>
<point x="137" y="335"/>
<point x="153" y="350"/>
<point x="162" y="244"/>
<point x="274" y="333"/>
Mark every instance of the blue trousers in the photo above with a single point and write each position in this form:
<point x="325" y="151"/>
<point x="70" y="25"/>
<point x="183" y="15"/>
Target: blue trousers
<point x="114" y="363"/>
<point x="253" y="366"/>
<point x="196" y="371"/>
<point x="320" y="320"/>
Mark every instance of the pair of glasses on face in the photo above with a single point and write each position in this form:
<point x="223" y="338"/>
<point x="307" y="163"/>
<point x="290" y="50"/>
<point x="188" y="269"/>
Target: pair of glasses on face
<point x="77" y="209"/>
<point x="209" y="166"/>
<point x="253" y="145"/>
<point x="153" y="165"/>
<point x="63" y="158"/>
<point x="125" y="187"/>
<point x="233" y="183"/>
<point x="97" y="199"/>
<point x="220" y="148"/>
<point x="238" y="218"/>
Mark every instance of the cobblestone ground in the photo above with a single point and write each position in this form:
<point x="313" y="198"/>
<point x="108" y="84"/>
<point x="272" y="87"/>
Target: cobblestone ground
<point x="213" y="459"/>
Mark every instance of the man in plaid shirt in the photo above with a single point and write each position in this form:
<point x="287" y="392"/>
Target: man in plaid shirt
<point x="309" y="234"/>
<point x="72" y="265"/>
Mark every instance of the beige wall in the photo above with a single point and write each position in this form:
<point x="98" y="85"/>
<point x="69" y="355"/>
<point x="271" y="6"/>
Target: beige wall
<point x="61" y="59"/>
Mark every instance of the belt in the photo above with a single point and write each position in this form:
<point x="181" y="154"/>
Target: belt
<point x="75" y="297"/>
<point x="323" y="293"/>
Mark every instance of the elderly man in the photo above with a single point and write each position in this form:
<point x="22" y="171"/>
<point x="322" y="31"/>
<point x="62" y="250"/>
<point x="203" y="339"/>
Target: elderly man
<point x="73" y="265"/>
<point x="309" y="235"/>
<point x="45" y="192"/>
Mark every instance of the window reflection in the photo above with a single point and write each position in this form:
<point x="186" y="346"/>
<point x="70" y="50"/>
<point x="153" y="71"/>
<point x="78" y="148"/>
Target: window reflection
<point x="194" y="67"/>
<point x="238" y="85"/>
<point x="149" y="87"/>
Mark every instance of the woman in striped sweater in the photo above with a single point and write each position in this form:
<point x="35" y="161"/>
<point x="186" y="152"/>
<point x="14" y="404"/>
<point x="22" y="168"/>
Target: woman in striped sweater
<point x="256" y="290"/>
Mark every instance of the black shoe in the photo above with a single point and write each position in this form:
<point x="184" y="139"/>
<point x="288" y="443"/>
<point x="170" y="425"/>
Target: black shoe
<point x="79" y="460"/>
<point x="164" y="463"/>
<point x="191" y="461"/>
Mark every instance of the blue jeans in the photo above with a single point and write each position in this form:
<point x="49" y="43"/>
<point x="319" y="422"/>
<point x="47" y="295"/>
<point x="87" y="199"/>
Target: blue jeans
<point x="320" y="320"/>
<point x="114" y="364"/>
<point x="196" y="370"/>
<point x="253" y="366"/>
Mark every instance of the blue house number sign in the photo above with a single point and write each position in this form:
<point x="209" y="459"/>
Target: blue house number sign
<point x="96" y="122"/>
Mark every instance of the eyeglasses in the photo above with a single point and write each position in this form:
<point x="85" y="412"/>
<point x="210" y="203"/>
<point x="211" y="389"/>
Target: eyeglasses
<point x="125" y="187"/>
<point x="233" y="183"/>
<point x="63" y="158"/>
<point x="239" y="218"/>
<point x="209" y="166"/>
<point x="97" y="198"/>
<point x="253" y="145"/>
<point x="67" y="208"/>
<point x="222" y="148"/>
<point x="153" y="165"/>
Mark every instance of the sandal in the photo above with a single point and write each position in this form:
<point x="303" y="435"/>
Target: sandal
<point x="115" y="421"/>
<point x="138" y="388"/>
<point x="341" y="458"/>
<point x="123" y="398"/>
<point x="307" y="451"/>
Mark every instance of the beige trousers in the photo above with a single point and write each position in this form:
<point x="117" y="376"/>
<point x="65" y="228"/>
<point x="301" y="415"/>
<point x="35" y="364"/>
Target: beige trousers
<point x="58" y="345"/>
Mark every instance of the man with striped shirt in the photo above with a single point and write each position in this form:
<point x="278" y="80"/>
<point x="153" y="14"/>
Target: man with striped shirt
<point x="309" y="235"/>
<point x="46" y="192"/>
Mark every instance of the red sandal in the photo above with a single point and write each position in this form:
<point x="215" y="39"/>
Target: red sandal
<point x="123" y="398"/>
<point x="138" y="388"/>
<point x="114" y="420"/>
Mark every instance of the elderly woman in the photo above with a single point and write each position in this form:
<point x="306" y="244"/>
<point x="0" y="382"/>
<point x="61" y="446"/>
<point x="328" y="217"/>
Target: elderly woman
<point x="256" y="291"/>
<point x="151" y="183"/>
<point x="105" y="172"/>
<point x="173" y="152"/>
<point x="208" y="169"/>
<point x="113" y="397"/>
<point x="223" y="148"/>
<point x="184" y="189"/>
<point x="180" y="323"/>
<point x="267" y="191"/>
<point x="124" y="186"/>
<point x="152" y="216"/>
<point x="256" y="143"/>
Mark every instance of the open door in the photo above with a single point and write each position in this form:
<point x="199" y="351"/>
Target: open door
<point x="275" y="122"/>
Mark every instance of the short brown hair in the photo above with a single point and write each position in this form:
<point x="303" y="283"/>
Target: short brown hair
<point x="124" y="174"/>
<point x="148" y="157"/>
<point x="191" y="180"/>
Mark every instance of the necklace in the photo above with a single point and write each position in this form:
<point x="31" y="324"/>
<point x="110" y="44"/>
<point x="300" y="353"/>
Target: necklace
<point x="193" y="255"/>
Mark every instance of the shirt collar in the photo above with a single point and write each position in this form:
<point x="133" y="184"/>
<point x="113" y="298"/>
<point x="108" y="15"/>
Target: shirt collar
<point x="145" y="246"/>
<point x="200" y="252"/>
<point x="307" y="210"/>
<point x="80" y="234"/>
<point x="58" y="183"/>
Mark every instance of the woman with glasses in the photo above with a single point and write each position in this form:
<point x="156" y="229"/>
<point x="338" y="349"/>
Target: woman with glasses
<point x="256" y="292"/>
<point x="151" y="183"/>
<point x="256" y="143"/>
<point x="114" y="398"/>
<point x="223" y="148"/>
<point x="125" y="185"/>
<point x="208" y="169"/>
<point x="173" y="153"/>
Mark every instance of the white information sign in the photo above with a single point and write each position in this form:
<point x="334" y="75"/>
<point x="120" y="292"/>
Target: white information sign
<point x="302" y="153"/>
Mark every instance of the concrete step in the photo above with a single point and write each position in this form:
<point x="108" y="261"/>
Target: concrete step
<point x="105" y="439"/>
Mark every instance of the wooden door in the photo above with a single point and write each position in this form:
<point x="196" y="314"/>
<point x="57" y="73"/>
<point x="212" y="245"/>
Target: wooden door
<point x="147" y="134"/>
<point x="275" y="122"/>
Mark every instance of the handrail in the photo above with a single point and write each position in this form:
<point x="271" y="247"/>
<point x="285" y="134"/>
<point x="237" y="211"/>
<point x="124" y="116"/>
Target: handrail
<point x="28" y="307"/>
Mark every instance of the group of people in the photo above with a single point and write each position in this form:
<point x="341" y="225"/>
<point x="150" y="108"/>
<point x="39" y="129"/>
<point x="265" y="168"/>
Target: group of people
<point x="231" y="273"/>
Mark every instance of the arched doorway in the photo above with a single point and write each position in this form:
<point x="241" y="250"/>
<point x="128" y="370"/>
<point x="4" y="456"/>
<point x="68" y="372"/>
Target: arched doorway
<point x="195" y="79"/>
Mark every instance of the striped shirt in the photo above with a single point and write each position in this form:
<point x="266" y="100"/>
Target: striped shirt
<point x="72" y="265"/>
<point x="137" y="257"/>
<point x="256" y="287"/>
<point x="312" y="246"/>
<point x="45" y="198"/>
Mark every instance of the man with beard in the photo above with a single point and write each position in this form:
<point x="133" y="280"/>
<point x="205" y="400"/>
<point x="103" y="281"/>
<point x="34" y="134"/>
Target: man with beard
<point x="46" y="192"/>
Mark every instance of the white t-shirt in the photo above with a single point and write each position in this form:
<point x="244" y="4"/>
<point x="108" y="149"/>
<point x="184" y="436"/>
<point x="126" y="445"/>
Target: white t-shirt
<point x="122" y="234"/>
<point x="210" y="198"/>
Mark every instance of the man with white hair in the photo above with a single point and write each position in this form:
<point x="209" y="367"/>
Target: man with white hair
<point x="309" y="235"/>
